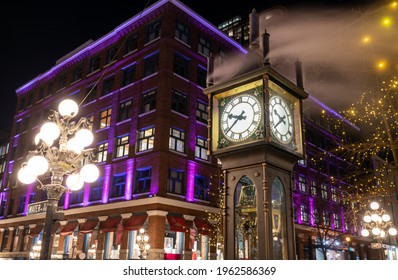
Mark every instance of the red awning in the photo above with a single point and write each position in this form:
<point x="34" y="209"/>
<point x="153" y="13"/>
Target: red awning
<point x="203" y="226"/>
<point x="69" y="228"/>
<point x="34" y="232"/>
<point x="177" y="223"/>
<point x="88" y="226"/>
<point x="56" y="227"/>
<point x="135" y="222"/>
<point x="110" y="224"/>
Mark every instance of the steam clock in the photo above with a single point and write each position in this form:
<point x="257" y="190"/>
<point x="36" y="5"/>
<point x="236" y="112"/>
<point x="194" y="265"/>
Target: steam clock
<point x="256" y="132"/>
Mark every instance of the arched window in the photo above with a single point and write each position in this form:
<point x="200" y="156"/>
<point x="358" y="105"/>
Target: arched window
<point x="279" y="234"/>
<point x="246" y="235"/>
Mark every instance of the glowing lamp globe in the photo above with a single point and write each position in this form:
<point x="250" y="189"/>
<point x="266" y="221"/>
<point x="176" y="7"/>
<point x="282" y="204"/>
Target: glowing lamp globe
<point x="376" y="231"/>
<point x="374" y="205"/>
<point x="382" y="234"/>
<point x="74" y="182"/>
<point x="89" y="173"/>
<point x="26" y="175"/>
<point x="367" y="219"/>
<point x="84" y="136"/>
<point x="74" y="145"/>
<point x="39" y="165"/>
<point x="365" y="232"/>
<point x="386" y="217"/>
<point x="67" y="108"/>
<point x="375" y="217"/>
<point x="49" y="132"/>
<point x="147" y="247"/>
<point x="392" y="231"/>
<point x="139" y="238"/>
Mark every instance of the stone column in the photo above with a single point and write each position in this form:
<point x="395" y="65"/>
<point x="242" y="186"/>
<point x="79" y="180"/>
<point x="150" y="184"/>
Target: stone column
<point x="213" y="241"/>
<point x="10" y="239"/>
<point x="187" y="252"/>
<point x="156" y="229"/>
<point x="21" y="238"/>
<point x="1" y="236"/>
<point x="125" y="240"/>
<point x="101" y="241"/>
<point x="80" y="240"/>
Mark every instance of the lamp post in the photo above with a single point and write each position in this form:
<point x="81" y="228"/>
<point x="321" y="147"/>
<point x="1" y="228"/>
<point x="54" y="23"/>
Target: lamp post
<point x="142" y="243"/>
<point x="65" y="157"/>
<point x="377" y="222"/>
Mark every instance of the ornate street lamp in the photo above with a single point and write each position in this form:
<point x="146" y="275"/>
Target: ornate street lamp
<point x="65" y="157"/>
<point x="377" y="222"/>
<point x="142" y="243"/>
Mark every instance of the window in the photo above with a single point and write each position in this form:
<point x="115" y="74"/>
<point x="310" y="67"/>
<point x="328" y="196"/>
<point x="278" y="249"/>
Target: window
<point x="152" y="31"/>
<point x="201" y="188"/>
<point x="314" y="188"/>
<point x="77" y="73"/>
<point x="91" y="94"/>
<point x="107" y="86"/>
<point x="179" y="102"/>
<point x="182" y="33"/>
<point x="105" y="118"/>
<point x="96" y="190"/>
<point x="336" y="221"/>
<point x="202" y="76"/>
<point x="151" y="64"/>
<point x="41" y="94"/>
<point x="111" y="54"/>
<point x="316" y="216"/>
<point x="304" y="213"/>
<point x="95" y="64"/>
<point x="21" y="204"/>
<point x="76" y="197"/>
<point x="181" y="65"/>
<point x="148" y="101"/>
<point x="202" y="112"/>
<point x="201" y="148"/>
<point x="118" y="185"/>
<point x="128" y="75"/>
<point x="124" y="110"/>
<point x="102" y="152"/>
<point x="335" y="195"/>
<point x="175" y="182"/>
<point x="204" y="47"/>
<point x="122" y="146"/>
<point x="146" y="138"/>
<point x="326" y="218"/>
<point x="143" y="180"/>
<point x="131" y="43"/>
<point x="324" y="191"/>
<point x="49" y="89"/>
<point x="32" y="197"/>
<point x="3" y="207"/>
<point x="62" y="81"/>
<point x="302" y="183"/>
<point x="177" y="140"/>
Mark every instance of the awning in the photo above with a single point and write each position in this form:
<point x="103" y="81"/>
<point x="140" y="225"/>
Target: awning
<point x="88" y="226"/>
<point x="176" y="223"/>
<point x="203" y="226"/>
<point x="34" y="232"/>
<point x="56" y="227"/>
<point x="135" y="222"/>
<point x="110" y="224"/>
<point x="69" y="228"/>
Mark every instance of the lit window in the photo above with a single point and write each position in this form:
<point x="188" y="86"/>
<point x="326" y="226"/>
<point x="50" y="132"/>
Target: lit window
<point x="202" y="112"/>
<point x="122" y="146"/>
<point x="102" y="151"/>
<point x="201" y="148"/>
<point x="177" y="140"/>
<point x="146" y="138"/>
<point x="105" y="118"/>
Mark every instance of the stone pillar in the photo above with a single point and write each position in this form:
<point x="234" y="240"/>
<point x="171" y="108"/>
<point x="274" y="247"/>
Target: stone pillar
<point x="187" y="252"/>
<point x="1" y="237"/>
<point x="156" y="229"/>
<point x="10" y="239"/>
<point x="101" y="241"/>
<point x="21" y="238"/>
<point x="125" y="240"/>
<point x="213" y="241"/>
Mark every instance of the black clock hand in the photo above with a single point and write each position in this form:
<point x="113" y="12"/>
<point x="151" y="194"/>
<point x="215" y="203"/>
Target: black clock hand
<point x="238" y="118"/>
<point x="281" y="119"/>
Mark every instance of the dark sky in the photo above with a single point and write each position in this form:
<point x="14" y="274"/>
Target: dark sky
<point x="37" y="33"/>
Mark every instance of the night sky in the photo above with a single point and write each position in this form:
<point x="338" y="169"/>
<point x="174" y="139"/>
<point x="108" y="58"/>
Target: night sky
<point x="37" y="33"/>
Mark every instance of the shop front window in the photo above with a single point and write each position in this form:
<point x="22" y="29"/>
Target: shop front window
<point x="279" y="234"/>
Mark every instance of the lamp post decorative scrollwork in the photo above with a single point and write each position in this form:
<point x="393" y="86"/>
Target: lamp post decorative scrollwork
<point x="66" y="157"/>
<point x="377" y="222"/>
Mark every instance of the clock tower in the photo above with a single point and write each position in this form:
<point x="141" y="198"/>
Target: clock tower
<point x="256" y="132"/>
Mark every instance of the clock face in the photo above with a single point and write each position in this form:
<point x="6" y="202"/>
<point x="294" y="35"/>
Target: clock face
<point x="281" y="120"/>
<point x="240" y="117"/>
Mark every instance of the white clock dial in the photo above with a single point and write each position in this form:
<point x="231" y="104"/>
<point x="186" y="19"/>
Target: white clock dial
<point x="281" y="120"/>
<point x="240" y="117"/>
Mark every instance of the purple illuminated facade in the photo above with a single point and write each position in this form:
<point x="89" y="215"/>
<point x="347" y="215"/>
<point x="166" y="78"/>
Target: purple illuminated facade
<point x="149" y="117"/>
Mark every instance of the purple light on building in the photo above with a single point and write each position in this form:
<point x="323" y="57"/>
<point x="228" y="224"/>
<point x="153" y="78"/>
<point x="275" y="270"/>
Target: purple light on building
<point x="28" y="192"/>
<point x="67" y="200"/>
<point x="129" y="179"/>
<point x="107" y="182"/>
<point x="86" y="195"/>
<point x="190" y="191"/>
<point x="311" y="205"/>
